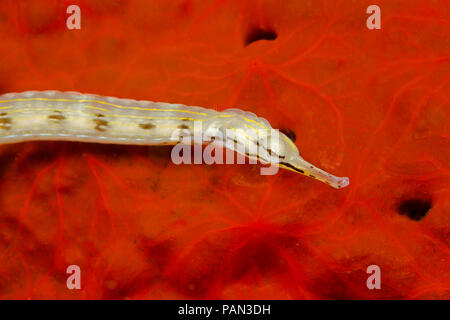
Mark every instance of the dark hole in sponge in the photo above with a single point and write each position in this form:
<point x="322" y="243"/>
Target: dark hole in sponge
<point x="415" y="209"/>
<point x="289" y="133"/>
<point x="256" y="34"/>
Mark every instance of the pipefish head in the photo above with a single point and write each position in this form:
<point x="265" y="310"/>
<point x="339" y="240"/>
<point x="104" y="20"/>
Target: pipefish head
<point x="281" y="151"/>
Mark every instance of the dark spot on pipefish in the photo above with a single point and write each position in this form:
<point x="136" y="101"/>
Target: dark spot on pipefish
<point x="290" y="166"/>
<point x="100" y="124"/>
<point x="232" y="139"/>
<point x="414" y="208"/>
<point x="271" y="153"/>
<point x="56" y="117"/>
<point x="146" y="126"/>
<point x="257" y="33"/>
<point x="5" y="123"/>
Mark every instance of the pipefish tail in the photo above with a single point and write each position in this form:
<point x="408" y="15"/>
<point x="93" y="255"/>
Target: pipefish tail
<point x="72" y="116"/>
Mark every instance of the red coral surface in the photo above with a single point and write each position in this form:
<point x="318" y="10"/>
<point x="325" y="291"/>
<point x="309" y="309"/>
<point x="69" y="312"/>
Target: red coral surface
<point x="369" y="104"/>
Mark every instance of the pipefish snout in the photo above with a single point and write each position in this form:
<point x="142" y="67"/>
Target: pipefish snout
<point x="72" y="116"/>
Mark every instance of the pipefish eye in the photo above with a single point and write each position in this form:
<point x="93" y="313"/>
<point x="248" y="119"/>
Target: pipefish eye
<point x="289" y="133"/>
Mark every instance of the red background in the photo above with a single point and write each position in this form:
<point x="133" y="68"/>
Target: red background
<point x="369" y="104"/>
